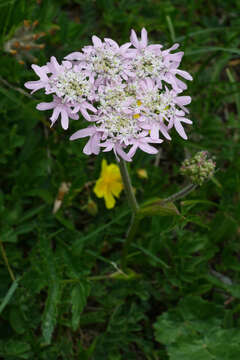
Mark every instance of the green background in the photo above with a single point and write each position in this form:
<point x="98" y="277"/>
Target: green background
<point x="182" y="300"/>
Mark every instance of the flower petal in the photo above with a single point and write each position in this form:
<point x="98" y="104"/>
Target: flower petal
<point x="179" y="128"/>
<point x="103" y="167"/>
<point x="45" y="106"/>
<point x="134" y="39"/>
<point x="109" y="200"/>
<point x="64" y="119"/>
<point x="96" y="41"/>
<point x="83" y="133"/>
<point x="116" y="188"/>
<point x="144" y="38"/>
<point x="100" y="188"/>
<point x="184" y="74"/>
<point x="74" y="56"/>
<point x="148" y="148"/>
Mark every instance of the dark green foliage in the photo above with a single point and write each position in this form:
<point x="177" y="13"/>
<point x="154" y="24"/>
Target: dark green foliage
<point x="180" y="299"/>
<point x="195" y="329"/>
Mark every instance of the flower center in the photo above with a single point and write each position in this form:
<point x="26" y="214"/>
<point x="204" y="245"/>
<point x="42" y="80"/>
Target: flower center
<point x="148" y="64"/>
<point x="71" y="85"/>
<point x="105" y="61"/>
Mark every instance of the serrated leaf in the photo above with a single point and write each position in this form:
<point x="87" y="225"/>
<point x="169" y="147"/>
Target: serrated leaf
<point x="79" y="296"/>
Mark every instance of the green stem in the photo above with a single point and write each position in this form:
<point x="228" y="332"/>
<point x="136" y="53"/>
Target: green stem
<point x="178" y="195"/>
<point x="130" y="236"/>
<point x="128" y="187"/>
<point x="90" y="278"/>
<point x="5" y="258"/>
<point x="135" y="207"/>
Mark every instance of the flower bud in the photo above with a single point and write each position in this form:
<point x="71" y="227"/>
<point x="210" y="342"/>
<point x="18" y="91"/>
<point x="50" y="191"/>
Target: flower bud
<point x="199" y="168"/>
<point x="92" y="207"/>
<point x="142" y="174"/>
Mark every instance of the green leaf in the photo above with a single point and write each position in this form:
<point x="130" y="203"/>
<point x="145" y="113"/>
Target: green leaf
<point x="9" y="235"/>
<point x="212" y="49"/>
<point x="49" y="319"/>
<point x="193" y="330"/>
<point x="15" y="349"/>
<point x="16" y="320"/>
<point x="152" y="256"/>
<point x="196" y="351"/>
<point x="30" y="213"/>
<point x="79" y="296"/>
<point x="158" y="207"/>
<point x="9" y="295"/>
<point x="198" y="201"/>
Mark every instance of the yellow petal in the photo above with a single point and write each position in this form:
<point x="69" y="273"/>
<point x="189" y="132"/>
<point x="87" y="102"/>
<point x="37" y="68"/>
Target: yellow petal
<point x="116" y="188"/>
<point x="104" y="167"/>
<point x="109" y="200"/>
<point x="109" y="183"/>
<point x="100" y="188"/>
<point x="114" y="172"/>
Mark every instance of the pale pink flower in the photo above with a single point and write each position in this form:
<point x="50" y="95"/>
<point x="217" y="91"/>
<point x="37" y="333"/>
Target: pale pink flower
<point x="128" y="95"/>
<point x="42" y="72"/>
<point x="93" y="144"/>
<point x="162" y="66"/>
<point x="59" y="108"/>
<point x="143" y="43"/>
<point x="104" y="60"/>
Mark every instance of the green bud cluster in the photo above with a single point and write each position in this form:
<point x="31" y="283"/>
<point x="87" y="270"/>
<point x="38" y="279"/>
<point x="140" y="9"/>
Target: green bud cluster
<point x="199" y="168"/>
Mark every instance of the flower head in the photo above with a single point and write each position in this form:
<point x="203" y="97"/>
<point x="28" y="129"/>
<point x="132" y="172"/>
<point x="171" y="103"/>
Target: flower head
<point x="129" y="95"/>
<point x="198" y="169"/>
<point x="109" y="184"/>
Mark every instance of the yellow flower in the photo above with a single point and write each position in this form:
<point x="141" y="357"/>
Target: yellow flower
<point x="109" y="184"/>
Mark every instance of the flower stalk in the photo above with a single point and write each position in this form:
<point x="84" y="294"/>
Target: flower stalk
<point x="183" y="192"/>
<point x="134" y="206"/>
<point x="128" y="187"/>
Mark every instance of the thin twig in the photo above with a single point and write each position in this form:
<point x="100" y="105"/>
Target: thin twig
<point x="5" y="259"/>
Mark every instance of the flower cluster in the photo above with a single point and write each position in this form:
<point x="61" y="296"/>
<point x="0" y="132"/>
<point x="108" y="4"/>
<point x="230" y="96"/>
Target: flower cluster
<point x="199" y="168"/>
<point x="129" y="95"/>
